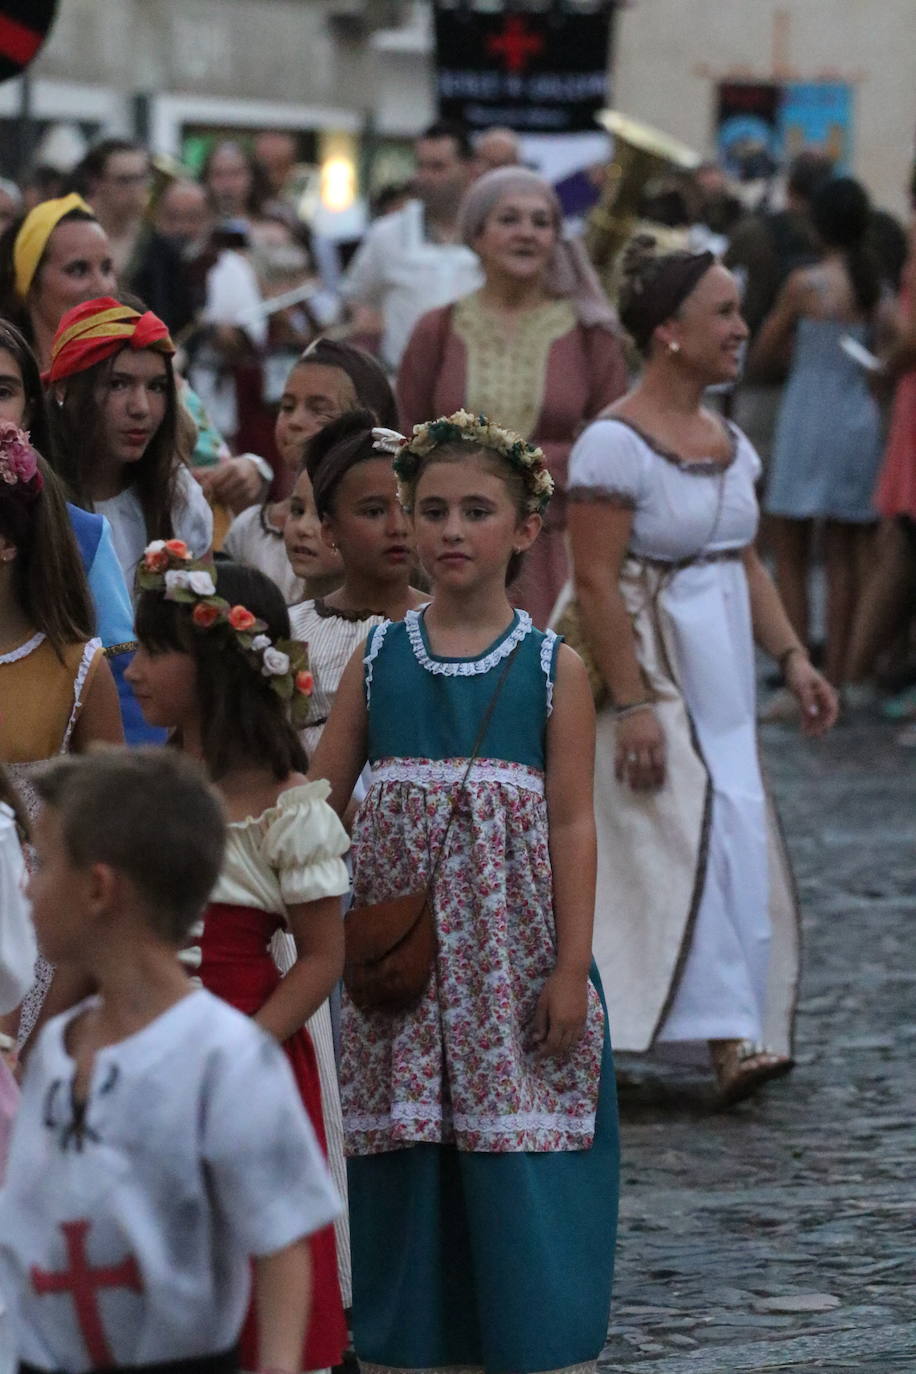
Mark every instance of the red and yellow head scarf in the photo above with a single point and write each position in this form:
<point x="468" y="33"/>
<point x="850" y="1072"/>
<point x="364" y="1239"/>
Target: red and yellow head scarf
<point x="95" y="330"/>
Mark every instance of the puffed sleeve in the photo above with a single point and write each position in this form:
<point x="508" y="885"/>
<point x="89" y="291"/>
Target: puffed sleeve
<point x="305" y="844"/>
<point x="608" y="463"/>
<point x="192" y="516"/>
<point x="750" y="454"/>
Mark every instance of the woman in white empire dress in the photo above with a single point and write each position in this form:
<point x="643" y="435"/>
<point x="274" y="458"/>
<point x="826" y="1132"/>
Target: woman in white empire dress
<point x="696" y="930"/>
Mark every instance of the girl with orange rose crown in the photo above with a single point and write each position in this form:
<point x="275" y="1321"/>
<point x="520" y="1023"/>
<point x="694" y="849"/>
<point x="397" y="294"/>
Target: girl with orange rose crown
<point x="217" y="667"/>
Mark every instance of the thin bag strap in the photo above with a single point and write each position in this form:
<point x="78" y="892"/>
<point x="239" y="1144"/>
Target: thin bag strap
<point x="478" y="745"/>
<point x="488" y="716"/>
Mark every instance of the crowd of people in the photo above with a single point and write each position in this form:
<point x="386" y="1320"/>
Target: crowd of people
<point x="442" y="587"/>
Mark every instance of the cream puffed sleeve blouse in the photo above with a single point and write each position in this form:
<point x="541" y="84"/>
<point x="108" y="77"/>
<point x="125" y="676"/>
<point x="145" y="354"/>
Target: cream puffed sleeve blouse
<point x="291" y="853"/>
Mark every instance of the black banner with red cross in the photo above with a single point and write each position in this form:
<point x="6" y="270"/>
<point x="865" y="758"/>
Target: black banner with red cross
<point x="24" y="26"/>
<point x="537" y="72"/>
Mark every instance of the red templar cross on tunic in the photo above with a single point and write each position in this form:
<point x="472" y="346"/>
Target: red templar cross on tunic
<point x="515" y="44"/>
<point x="83" y="1281"/>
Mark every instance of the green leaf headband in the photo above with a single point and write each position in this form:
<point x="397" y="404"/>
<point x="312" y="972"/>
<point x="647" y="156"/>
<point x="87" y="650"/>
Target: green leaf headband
<point x="463" y="427"/>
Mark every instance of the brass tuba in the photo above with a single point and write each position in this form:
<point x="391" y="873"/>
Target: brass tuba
<point x="641" y="154"/>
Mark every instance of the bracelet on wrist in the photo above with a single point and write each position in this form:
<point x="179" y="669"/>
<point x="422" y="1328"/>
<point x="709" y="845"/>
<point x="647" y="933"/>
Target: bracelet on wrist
<point x="630" y="708"/>
<point x="786" y="654"/>
<point x="261" y="466"/>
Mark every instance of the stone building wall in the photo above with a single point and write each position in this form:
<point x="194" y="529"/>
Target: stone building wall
<point x="262" y="62"/>
<point x="671" y="55"/>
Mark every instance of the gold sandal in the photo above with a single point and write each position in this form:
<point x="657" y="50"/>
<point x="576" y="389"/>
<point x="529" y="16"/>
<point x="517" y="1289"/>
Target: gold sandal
<point x="743" y="1066"/>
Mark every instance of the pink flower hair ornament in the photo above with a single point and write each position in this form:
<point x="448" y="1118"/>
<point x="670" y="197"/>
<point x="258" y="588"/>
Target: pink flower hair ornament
<point x="19" y="473"/>
<point x="167" y="567"/>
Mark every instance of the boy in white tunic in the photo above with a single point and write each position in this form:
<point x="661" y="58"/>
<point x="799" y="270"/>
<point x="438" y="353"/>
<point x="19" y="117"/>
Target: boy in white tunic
<point x="161" y="1141"/>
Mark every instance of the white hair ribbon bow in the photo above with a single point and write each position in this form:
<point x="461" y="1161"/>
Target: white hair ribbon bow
<point x="387" y="440"/>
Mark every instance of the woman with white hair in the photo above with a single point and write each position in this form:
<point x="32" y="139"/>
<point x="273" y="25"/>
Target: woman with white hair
<point x="535" y="348"/>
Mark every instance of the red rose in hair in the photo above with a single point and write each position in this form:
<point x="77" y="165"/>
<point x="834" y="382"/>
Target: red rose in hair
<point x="305" y="683"/>
<point x="240" y="618"/>
<point x="205" y="614"/>
<point x="178" y="548"/>
<point x="156" y="561"/>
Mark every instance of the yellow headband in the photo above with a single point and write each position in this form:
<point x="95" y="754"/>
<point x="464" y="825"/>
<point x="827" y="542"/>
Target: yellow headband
<point x="32" y="239"/>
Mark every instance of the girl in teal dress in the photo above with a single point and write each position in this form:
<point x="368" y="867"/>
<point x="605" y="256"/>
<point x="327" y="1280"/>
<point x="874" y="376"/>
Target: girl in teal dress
<point x="481" y="1125"/>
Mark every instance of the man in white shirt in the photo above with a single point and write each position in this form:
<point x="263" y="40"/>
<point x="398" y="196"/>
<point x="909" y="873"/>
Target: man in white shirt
<point x="413" y="261"/>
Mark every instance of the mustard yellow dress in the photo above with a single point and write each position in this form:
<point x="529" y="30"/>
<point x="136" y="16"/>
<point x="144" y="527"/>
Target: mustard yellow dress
<point x="41" y="695"/>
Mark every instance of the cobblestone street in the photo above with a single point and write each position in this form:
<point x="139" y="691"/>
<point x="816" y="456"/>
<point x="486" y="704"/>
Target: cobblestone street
<point x="780" y="1236"/>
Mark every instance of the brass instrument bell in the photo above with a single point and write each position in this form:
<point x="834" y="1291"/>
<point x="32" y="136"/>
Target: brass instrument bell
<point x="641" y="155"/>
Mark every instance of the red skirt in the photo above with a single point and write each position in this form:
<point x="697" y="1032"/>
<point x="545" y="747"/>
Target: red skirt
<point x="236" y="965"/>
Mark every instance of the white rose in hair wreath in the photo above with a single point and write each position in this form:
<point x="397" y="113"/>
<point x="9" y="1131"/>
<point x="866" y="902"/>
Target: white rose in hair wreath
<point x="274" y="662"/>
<point x="200" y="582"/>
<point x="176" y="580"/>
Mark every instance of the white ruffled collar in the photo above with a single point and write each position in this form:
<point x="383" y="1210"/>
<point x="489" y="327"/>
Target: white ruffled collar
<point x="464" y="667"/>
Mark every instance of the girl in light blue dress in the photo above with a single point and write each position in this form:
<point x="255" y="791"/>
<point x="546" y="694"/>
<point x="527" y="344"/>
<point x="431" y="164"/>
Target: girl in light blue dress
<point x="829" y="435"/>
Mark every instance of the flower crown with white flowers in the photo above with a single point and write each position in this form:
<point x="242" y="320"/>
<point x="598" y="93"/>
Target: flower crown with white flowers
<point x="167" y="567"/>
<point x="463" y="427"/>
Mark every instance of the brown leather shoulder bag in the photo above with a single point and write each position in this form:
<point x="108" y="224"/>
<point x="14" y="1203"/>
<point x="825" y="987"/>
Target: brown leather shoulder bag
<point x="391" y="946"/>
